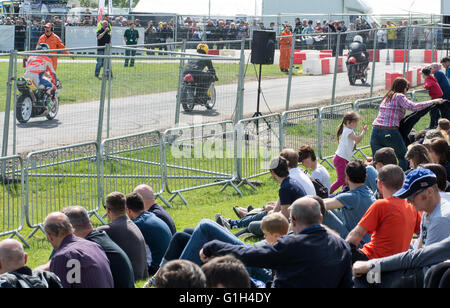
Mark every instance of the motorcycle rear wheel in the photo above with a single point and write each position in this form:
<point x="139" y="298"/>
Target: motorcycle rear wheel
<point x="188" y="102"/>
<point x="24" y="108"/>
<point x="351" y="75"/>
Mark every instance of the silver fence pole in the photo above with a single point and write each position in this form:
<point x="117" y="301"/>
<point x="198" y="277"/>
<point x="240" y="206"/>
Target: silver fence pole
<point x="100" y="178"/>
<point x="291" y="69"/>
<point x="239" y="110"/>
<point x="405" y="50"/>
<point x="14" y="100"/>
<point x="9" y="84"/>
<point x="108" y="110"/>
<point x="180" y="84"/>
<point x="374" y="61"/>
<point x="101" y="111"/>
<point x="333" y="93"/>
<point x="28" y="38"/>
<point x="410" y="40"/>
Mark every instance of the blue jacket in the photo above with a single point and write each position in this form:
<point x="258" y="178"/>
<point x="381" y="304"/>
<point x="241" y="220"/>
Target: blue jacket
<point x="314" y="258"/>
<point x="443" y="83"/>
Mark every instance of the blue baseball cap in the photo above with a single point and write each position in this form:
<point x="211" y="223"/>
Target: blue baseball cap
<point x="418" y="179"/>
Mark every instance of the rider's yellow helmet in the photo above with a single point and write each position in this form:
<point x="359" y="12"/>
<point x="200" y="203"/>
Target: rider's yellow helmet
<point x="203" y="47"/>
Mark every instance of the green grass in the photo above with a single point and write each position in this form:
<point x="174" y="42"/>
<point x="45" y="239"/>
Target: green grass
<point x="128" y="165"/>
<point x="80" y="85"/>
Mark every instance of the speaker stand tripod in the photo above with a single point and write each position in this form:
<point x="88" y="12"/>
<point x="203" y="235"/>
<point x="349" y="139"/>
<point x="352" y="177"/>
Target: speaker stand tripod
<point x="258" y="113"/>
<point x="258" y="100"/>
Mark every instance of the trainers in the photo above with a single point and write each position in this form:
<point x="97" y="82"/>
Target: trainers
<point x="221" y="220"/>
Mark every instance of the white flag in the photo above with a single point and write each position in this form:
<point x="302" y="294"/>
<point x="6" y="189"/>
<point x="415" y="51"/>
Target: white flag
<point x="110" y="7"/>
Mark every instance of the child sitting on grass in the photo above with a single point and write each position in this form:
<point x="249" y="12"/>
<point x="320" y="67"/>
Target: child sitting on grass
<point x="274" y="226"/>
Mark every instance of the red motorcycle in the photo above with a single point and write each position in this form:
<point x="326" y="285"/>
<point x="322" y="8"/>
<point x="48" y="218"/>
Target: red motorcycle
<point x="356" y="70"/>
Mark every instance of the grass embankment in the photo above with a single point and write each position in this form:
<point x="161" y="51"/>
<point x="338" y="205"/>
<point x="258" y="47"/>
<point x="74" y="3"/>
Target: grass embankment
<point x="128" y="165"/>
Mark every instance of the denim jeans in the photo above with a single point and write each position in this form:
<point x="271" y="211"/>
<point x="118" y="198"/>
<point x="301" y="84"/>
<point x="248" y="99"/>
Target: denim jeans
<point x="245" y="222"/>
<point x="208" y="230"/>
<point x="335" y="221"/>
<point x="381" y="138"/>
<point x="177" y="245"/>
<point x="100" y="61"/>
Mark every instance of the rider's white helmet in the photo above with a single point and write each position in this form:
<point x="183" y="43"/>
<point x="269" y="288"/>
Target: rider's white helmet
<point x="358" y="38"/>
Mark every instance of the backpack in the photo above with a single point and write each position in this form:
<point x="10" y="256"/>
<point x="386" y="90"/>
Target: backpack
<point x="321" y="190"/>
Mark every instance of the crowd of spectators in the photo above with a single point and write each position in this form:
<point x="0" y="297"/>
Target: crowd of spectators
<point x="386" y="222"/>
<point x="388" y="34"/>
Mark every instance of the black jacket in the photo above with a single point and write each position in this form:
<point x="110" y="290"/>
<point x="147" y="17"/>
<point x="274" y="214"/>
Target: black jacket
<point x="357" y="49"/>
<point x="120" y="264"/>
<point x="314" y="258"/>
<point x="25" y="278"/>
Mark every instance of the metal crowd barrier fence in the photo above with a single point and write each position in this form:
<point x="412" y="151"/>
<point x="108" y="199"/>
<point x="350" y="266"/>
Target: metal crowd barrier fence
<point x="12" y="213"/>
<point x="300" y="127"/>
<point x="258" y="140"/>
<point x="132" y="160"/>
<point x="368" y="111"/>
<point x="198" y="156"/>
<point x="330" y="118"/>
<point x="420" y="95"/>
<point x="61" y="177"/>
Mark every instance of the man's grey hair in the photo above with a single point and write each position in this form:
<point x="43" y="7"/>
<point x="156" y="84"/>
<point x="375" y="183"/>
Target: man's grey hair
<point x="78" y="217"/>
<point x="11" y="254"/>
<point x="306" y="211"/>
<point x="435" y="66"/>
<point x="57" y="224"/>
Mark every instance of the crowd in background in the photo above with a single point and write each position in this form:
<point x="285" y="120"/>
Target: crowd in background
<point x="388" y="34"/>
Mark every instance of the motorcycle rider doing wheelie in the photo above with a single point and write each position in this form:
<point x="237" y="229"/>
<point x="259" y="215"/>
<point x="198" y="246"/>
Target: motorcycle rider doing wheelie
<point x="37" y="67"/>
<point x="196" y="67"/>
<point x="357" y="49"/>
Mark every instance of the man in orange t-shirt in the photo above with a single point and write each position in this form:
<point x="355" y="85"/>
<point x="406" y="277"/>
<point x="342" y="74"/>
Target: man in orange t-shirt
<point x="391" y="221"/>
<point x="53" y="41"/>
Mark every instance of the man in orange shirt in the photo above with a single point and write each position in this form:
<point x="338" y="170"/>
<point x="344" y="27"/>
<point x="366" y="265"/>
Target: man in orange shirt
<point x="285" y="49"/>
<point x="53" y="41"/>
<point x="391" y="221"/>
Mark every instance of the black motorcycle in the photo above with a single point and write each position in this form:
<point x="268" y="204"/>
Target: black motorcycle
<point x="35" y="102"/>
<point x="193" y="94"/>
<point x="356" y="70"/>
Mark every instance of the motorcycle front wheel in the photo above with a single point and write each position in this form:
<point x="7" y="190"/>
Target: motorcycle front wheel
<point x="53" y="110"/>
<point x="211" y="97"/>
<point x="24" y="108"/>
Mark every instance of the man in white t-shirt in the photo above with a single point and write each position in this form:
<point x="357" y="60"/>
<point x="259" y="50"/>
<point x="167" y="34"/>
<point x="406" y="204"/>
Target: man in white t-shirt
<point x="307" y="157"/>
<point x="296" y="173"/>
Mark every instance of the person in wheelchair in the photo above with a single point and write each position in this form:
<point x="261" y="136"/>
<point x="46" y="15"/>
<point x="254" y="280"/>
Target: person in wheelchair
<point x="202" y="79"/>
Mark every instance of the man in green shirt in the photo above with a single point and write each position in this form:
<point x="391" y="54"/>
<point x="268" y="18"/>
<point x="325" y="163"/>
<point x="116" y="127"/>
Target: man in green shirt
<point x="130" y="37"/>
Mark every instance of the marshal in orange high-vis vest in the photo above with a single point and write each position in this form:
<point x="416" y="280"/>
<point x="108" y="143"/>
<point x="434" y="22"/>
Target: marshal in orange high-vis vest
<point x="54" y="42"/>
<point x="285" y="49"/>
